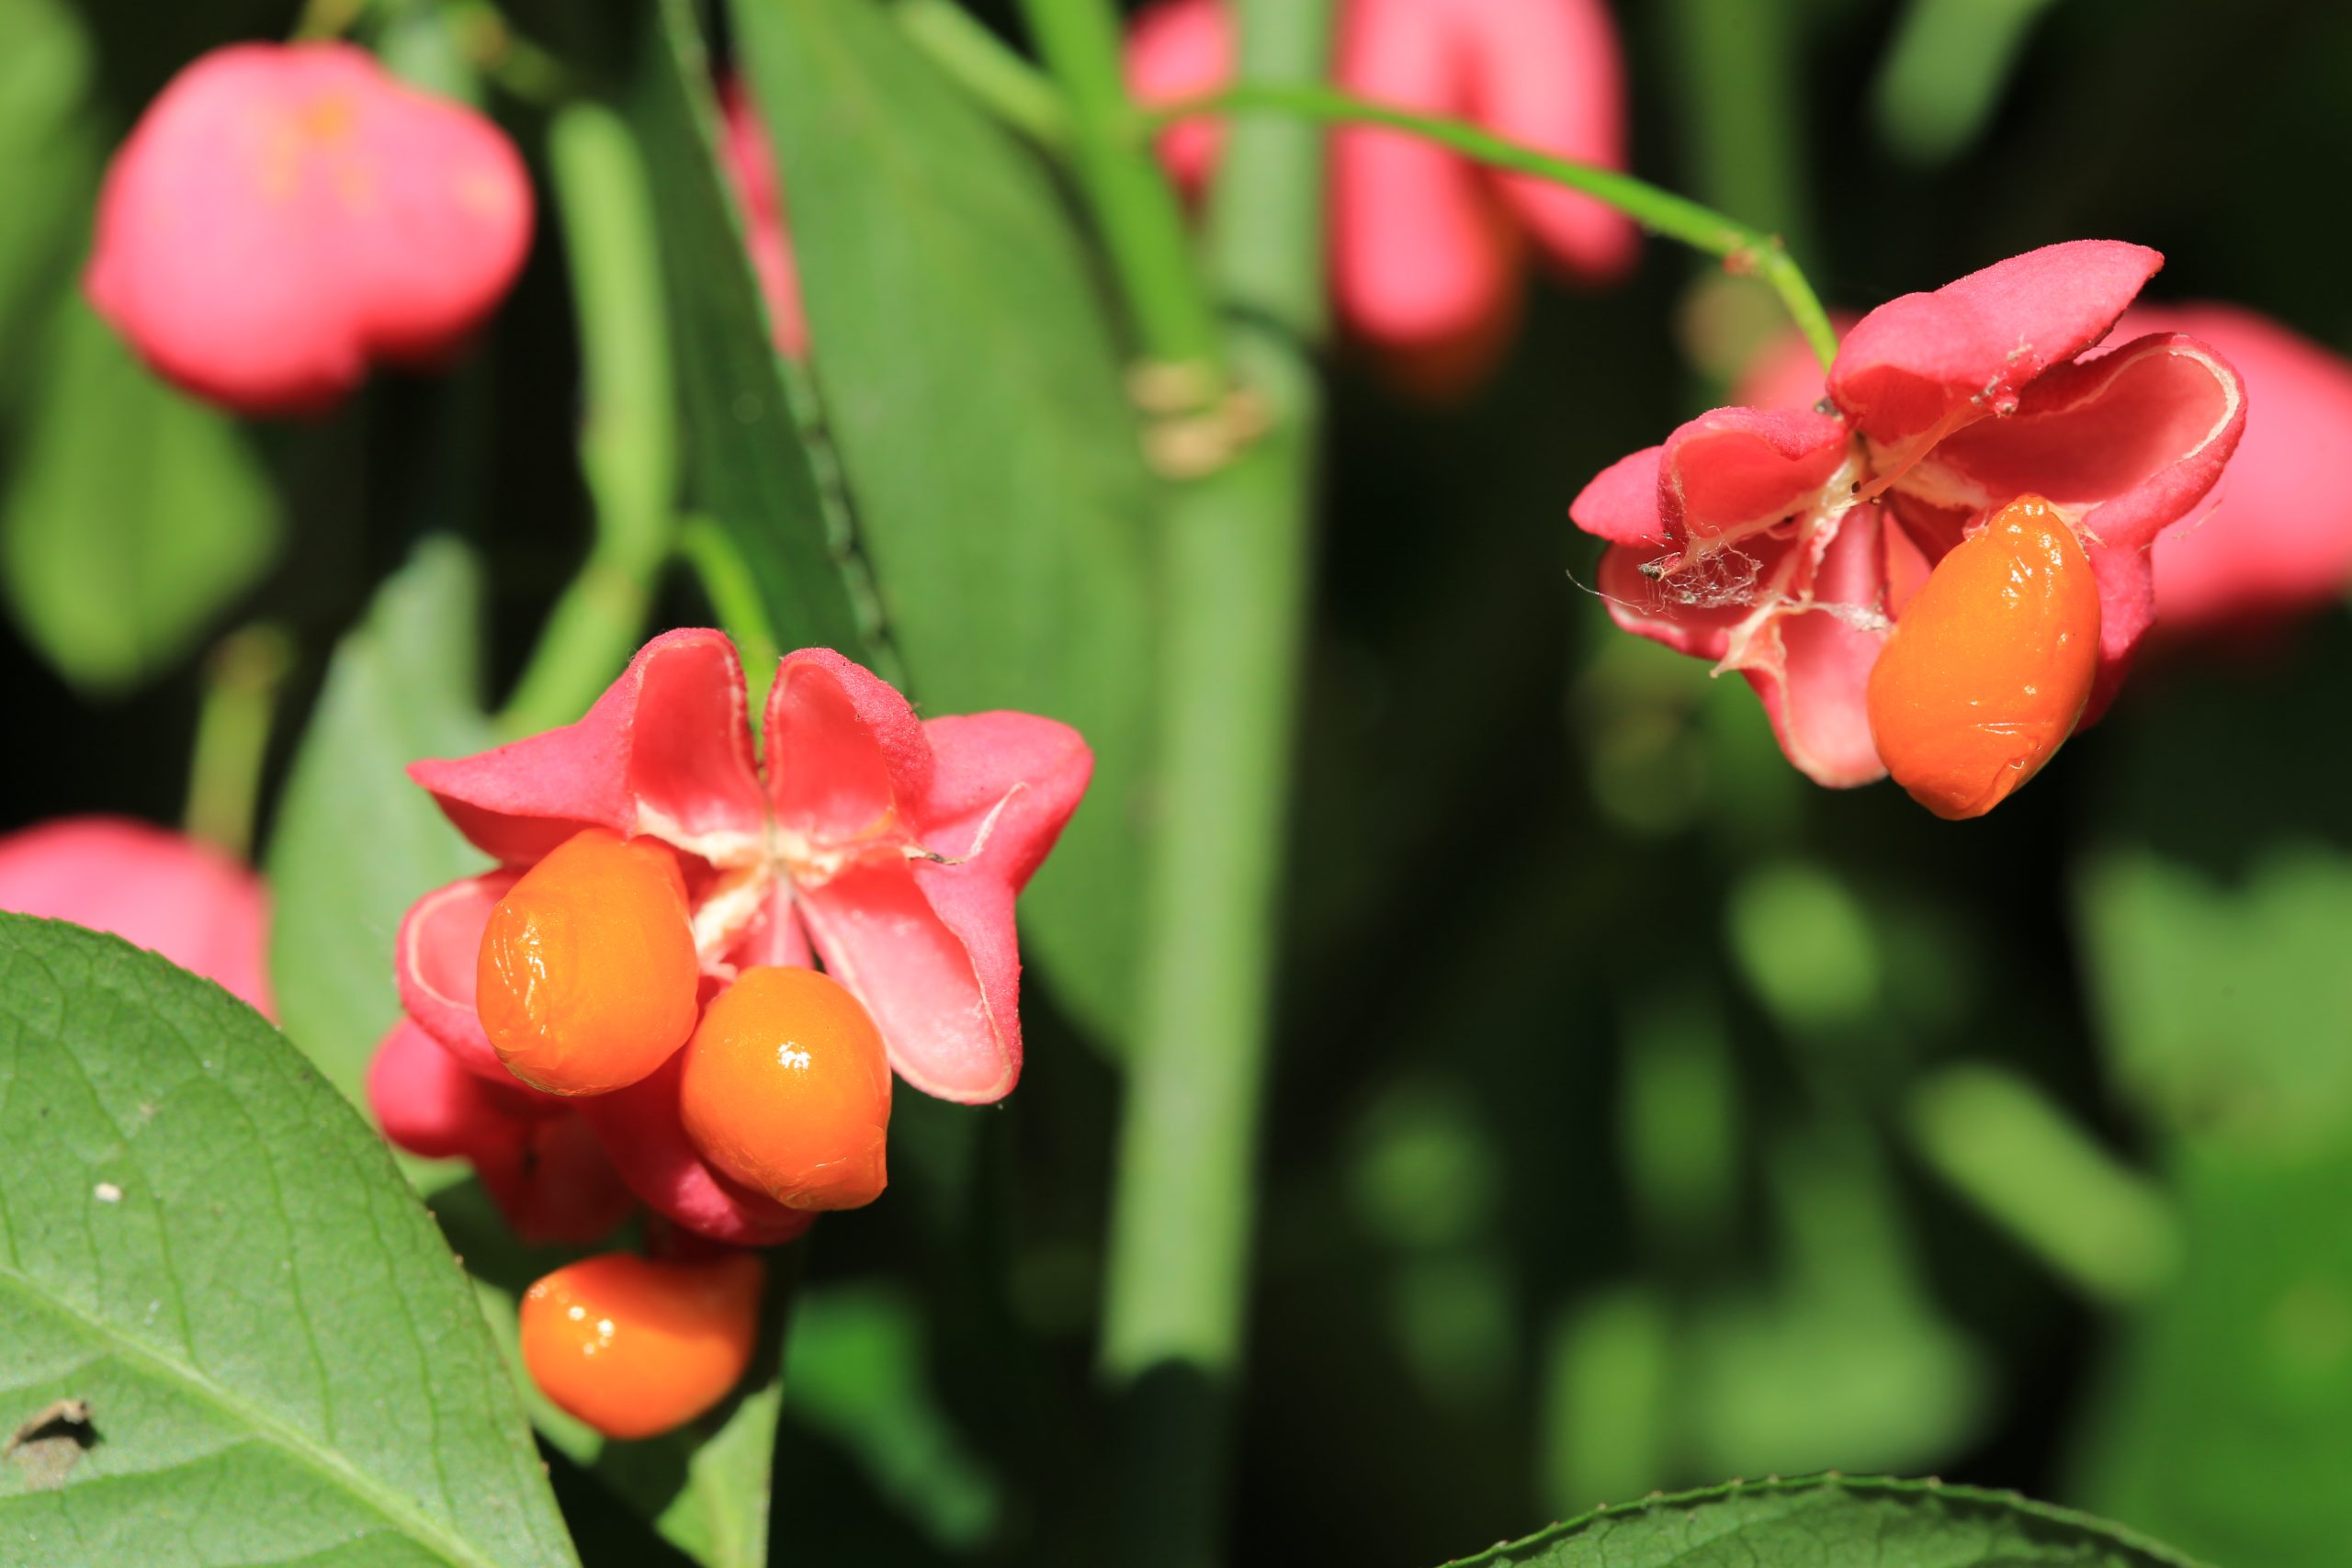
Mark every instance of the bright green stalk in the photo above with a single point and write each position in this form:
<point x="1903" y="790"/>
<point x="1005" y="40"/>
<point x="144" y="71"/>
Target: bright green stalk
<point x="627" y="440"/>
<point x="727" y="581"/>
<point x="241" y="681"/>
<point x="1741" y="246"/>
<point x="1234" y="580"/>
<point x="1138" y="210"/>
<point x="1002" y="80"/>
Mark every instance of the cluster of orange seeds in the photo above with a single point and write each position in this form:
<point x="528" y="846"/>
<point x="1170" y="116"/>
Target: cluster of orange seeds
<point x="588" y="981"/>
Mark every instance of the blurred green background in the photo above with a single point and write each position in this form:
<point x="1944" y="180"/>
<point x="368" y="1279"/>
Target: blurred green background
<point x="1642" y="1115"/>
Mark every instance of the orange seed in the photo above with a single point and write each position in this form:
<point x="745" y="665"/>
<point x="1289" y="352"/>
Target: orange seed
<point x="587" y="978"/>
<point x="1985" y="674"/>
<point x="635" y="1348"/>
<point x="786" y="1089"/>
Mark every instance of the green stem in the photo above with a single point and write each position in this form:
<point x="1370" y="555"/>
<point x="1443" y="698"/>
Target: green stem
<point x="241" y="681"/>
<point x="1003" y="83"/>
<point x="1138" y="210"/>
<point x="1740" y="246"/>
<point x="1234" y="583"/>
<point x="734" y="594"/>
<point x="627" y="442"/>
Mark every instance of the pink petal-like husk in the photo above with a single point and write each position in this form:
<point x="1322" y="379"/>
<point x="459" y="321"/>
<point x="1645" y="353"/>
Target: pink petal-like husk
<point x="946" y="1008"/>
<point x="1548" y="73"/>
<point x="434" y="958"/>
<point x="1002" y="786"/>
<point x="157" y="889"/>
<point x="1972" y="346"/>
<point x="846" y="755"/>
<point x="642" y="1130"/>
<point x="1641" y="606"/>
<point x="748" y="159"/>
<point x="429" y="1103"/>
<point x="282" y="214"/>
<point x="1816" y="699"/>
<point x="1810" y="668"/>
<point x="1620" y="505"/>
<point x="665" y="751"/>
<point x="775" y="938"/>
<point x="931" y="947"/>
<point x="2127" y="609"/>
<point x="1421" y="252"/>
<point x="560" y="1188"/>
<point x="1178" y="50"/>
<point x="2277" y="540"/>
<point x="2126" y="444"/>
<point x="1731" y="473"/>
<point x="538" y="1162"/>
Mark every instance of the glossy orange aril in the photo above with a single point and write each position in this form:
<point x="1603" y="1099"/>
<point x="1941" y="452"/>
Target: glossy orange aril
<point x="1988" y="669"/>
<point x="587" y="979"/>
<point x="634" y="1347"/>
<point x="785" y="1086"/>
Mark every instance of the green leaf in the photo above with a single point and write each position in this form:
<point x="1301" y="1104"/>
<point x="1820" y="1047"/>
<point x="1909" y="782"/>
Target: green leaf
<point x="749" y="465"/>
<point x="2213" y="905"/>
<point x="973" y="388"/>
<point x="1845" y="1360"/>
<point x="858" y="1370"/>
<point x="50" y="150"/>
<point x="2212" y="917"/>
<point x="2221" y="997"/>
<point x="356" y="843"/>
<point x="1833" y="1522"/>
<point x="2225" y="1419"/>
<point x="207" y="1248"/>
<point x="135" y="517"/>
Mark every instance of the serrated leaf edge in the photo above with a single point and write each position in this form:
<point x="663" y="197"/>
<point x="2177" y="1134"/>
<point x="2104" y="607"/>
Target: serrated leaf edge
<point x="1506" y="1553"/>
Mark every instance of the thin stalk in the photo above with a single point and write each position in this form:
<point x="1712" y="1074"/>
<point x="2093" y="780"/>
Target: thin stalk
<point x="1136" y="209"/>
<point x="726" y="577"/>
<point x="241" y="682"/>
<point x="627" y="442"/>
<point x="1003" y="83"/>
<point x="1741" y="247"/>
<point x="1234" y="581"/>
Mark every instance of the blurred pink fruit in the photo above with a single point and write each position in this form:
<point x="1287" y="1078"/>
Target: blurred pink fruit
<point x="159" y="889"/>
<point x="2277" y="542"/>
<point x="750" y="164"/>
<point x="283" y="216"/>
<point x="1425" y="245"/>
